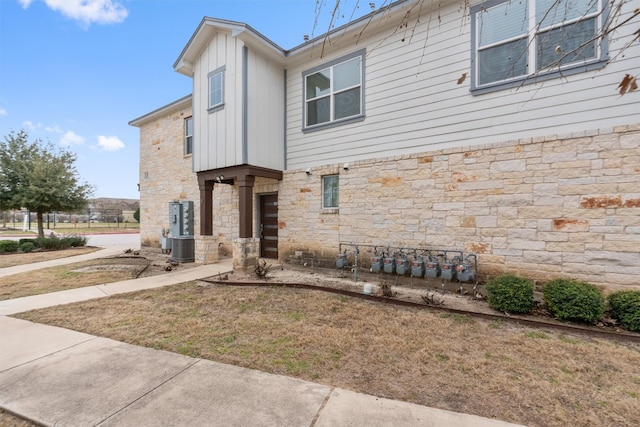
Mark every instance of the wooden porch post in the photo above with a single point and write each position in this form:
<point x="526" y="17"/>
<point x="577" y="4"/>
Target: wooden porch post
<point x="206" y="208"/>
<point x="245" y="205"/>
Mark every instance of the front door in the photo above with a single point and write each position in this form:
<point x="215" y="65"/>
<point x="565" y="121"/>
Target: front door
<point x="269" y="226"/>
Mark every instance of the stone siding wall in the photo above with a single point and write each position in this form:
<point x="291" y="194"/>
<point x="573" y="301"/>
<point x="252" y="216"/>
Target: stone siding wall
<point x="165" y="175"/>
<point x="560" y="206"/>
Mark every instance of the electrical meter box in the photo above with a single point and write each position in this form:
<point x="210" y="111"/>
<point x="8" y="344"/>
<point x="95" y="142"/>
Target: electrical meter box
<point x="341" y="260"/>
<point x="402" y="266"/>
<point x="465" y="273"/>
<point x="181" y="218"/>
<point x="433" y="268"/>
<point x="448" y="271"/>
<point x="187" y="218"/>
<point x="389" y="265"/>
<point x="376" y="262"/>
<point x="417" y="268"/>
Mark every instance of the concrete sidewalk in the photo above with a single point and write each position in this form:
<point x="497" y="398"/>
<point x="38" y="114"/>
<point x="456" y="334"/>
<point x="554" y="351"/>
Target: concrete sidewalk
<point x="60" y="377"/>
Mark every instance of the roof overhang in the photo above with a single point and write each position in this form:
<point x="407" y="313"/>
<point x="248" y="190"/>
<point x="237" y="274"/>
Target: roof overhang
<point x="181" y="103"/>
<point x="211" y="26"/>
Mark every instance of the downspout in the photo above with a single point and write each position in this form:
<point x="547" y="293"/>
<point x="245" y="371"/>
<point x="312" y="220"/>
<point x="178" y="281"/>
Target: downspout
<point x="285" y="120"/>
<point x="245" y="106"/>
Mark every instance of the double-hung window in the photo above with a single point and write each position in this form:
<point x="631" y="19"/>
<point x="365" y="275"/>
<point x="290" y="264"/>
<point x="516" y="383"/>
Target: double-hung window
<point x="513" y="40"/>
<point x="334" y="92"/>
<point x="216" y="89"/>
<point x="188" y="135"/>
<point x="330" y="191"/>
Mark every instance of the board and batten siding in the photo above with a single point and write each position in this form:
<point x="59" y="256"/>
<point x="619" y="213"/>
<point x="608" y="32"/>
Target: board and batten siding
<point x="413" y="102"/>
<point x="265" y="112"/>
<point x="218" y="138"/>
<point x="217" y="135"/>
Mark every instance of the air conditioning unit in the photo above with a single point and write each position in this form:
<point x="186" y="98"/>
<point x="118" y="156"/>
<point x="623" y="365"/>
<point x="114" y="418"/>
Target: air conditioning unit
<point x="183" y="249"/>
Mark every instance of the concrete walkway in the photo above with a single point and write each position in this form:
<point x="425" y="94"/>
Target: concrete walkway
<point x="59" y="377"/>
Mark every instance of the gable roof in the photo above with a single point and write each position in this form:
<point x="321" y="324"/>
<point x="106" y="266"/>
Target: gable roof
<point x="210" y="26"/>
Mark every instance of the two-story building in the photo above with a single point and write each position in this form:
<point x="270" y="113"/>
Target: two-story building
<point x="495" y="129"/>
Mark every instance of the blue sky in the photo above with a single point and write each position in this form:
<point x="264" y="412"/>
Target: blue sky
<point x="75" y="72"/>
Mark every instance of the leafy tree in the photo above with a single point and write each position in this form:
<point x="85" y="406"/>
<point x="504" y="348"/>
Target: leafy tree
<point x="136" y="214"/>
<point x="39" y="177"/>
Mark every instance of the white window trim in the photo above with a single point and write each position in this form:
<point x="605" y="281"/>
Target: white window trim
<point x="331" y="123"/>
<point x="186" y="136"/>
<point x="213" y="74"/>
<point x="331" y="209"/>
<point x="532" y="75"/>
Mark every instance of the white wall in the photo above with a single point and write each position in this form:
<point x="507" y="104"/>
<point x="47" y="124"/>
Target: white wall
<point x="218" y="135"/>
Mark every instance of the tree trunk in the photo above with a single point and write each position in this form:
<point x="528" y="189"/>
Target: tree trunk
<point x="40" y="225"/>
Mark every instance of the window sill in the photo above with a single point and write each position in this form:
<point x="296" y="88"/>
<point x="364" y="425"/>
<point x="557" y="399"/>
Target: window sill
<point x="215" y="108"/>
<point x="330" y="211"/>
<point x="540" y="77"/>
<point x="333" y="124"/>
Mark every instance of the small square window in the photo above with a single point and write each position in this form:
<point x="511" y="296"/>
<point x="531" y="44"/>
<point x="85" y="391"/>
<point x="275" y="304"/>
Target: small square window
<point x="330" y="197"/>
<point x="188" y="135"/>
<point x="216" y="88"/>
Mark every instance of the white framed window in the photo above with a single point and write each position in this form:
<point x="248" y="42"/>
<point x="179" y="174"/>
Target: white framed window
<point x="513" y="40"/>
<point x="188" y="135"/>
<point x="330" y="184"/>
<point x="334" y="92"/>
<point x="216" y="89"/>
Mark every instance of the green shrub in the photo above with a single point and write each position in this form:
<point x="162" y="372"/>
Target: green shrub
<point x="574" y="300"/>
<point x="625" y="306"/>
<point x="32" y="241"/>
<point x="509" y="293"/>
<point x="54" y="242"/>
<point x="27" y="247"/>
<point x="74" y="241"/>
<point x="9" y="246"/>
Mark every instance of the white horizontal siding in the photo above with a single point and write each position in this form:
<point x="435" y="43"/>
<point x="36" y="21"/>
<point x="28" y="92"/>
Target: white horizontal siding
<point x="413" y="101"/>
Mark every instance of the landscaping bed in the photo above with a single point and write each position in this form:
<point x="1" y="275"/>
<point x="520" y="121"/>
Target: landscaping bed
<point x="492" y="368"/>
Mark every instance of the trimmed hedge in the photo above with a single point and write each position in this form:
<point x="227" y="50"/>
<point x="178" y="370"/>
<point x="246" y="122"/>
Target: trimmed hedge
<point x="570" y="299"/>
<point x="510" y="293"/>
<point x="33" y="241"/>
<point x="625" y="307"/>
<point x="27" y="247"/>
<point x="54" y="242"/>
<point x="9" y="246"/>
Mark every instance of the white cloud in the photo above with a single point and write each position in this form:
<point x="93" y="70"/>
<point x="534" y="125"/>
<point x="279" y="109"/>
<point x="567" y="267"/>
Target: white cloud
<point x="29" y="125"/>
<point x="3" y="112"/>
<point x="87" y="11"/>
<point x="54" y="129"/>
<point x="110" y="143"/>
<point x="70" y="138"/>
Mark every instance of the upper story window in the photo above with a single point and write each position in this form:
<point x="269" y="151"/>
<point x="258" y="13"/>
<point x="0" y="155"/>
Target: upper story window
<point x="216" y="89"/>
<point x="334" y="92"/>
<point x="513" y="40"/>
<point x="188" y="135"/>
<point x="330" y="191"/>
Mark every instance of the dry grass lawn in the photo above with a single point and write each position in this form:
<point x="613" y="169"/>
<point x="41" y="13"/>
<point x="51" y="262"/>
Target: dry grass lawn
<point x="13" y="259"/>
<point x="493" y="369"/>
<point x="77" y="275"/>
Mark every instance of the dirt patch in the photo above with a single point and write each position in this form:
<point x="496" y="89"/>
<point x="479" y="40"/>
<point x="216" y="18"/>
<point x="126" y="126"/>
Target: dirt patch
<point x="88" y="273"/>
<point x="13" y="259"/>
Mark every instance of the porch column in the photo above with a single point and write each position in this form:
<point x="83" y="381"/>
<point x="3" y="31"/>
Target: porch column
<point x="245" y="205"/>
<point x="206" y="208"/>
